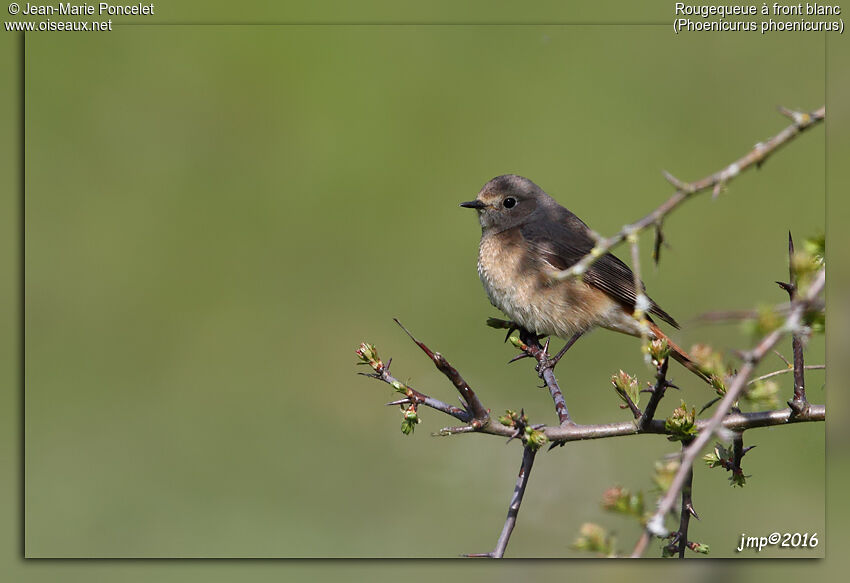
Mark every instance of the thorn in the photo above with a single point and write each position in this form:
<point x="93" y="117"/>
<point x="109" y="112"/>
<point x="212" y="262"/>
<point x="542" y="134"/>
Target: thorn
<point x="690" y="508"/>
<point x="656" y="246"/>
<point x="516" y="435"/>
<point x="683" y="186"/>
<point x="709" y="404"/>
<point x="519" y="357"/>
<point x="788" y="287"/>
<point x="716" y="192"/>
<point x="795" y="116"/>
<point x="406" y="331"/>
<point x="387" y="366"/>
<point x="785" y="360"/>
<point x="546" y="347"/>
<point x="399" y="402"/>
<point x="746" y="449"/>
<point x="556" y="444"/>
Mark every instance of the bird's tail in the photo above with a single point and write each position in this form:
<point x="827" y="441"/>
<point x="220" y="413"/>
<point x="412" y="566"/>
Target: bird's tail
<point x="682" y="357"/>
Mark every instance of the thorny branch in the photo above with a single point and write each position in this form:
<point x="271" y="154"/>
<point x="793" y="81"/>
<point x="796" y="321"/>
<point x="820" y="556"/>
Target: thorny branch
<point x="679" y="539"/>
<point x="513" y="509"/>
<point x="658" y="390"/>
<point x="480" y="415"/>
<point x="684" y="190"/>
<point x="798" y="403"/>
<point x="655" y="525"/>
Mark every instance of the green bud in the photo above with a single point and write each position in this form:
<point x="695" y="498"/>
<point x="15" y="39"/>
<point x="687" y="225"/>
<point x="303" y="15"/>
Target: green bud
<point x="620" y="500"/>
<point x="595" y="539"/>
<point x="699" y="548"/>
<point x="659" y="351"/>
<point x="517" y="343"/>
<point x="410" y="420"/>
<point x="510" y="418"/>
<point x="738" y="479"/>
<point x="626" y="385"/>
<point x="534" y="439"/>
<point x="681" y="424"/>
<point x="399" y="386"/>
<point x="719" y="457"/>
<point x="369" y="355"/>
<point x="718" y="384"/>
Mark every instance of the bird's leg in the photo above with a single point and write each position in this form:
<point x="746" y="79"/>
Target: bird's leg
<point x="566" y="347"/>
<point x="529" y="338"/>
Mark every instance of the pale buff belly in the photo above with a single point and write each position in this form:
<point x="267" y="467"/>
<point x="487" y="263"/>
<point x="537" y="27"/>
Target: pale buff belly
<point x="523" y="292"/>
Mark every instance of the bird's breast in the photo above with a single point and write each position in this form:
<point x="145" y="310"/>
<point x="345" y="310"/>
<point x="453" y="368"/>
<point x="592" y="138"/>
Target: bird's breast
<point x="517" y="282"/>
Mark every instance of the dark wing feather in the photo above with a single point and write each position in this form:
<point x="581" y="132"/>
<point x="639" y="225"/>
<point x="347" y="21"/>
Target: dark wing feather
<point x="563" y="239"/>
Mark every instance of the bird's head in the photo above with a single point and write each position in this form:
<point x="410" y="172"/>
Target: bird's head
<point x="507" y="201"/>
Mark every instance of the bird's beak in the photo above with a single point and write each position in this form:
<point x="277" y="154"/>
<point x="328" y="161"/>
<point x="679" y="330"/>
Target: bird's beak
<point x="473" y="204"/>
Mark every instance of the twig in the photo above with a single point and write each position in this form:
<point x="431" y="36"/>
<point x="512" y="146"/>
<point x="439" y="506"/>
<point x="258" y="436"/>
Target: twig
<point x="786" y="371"/>
<point x="684" y="190"/>
<point x="642" y="303"/>
<point x="723" y="316"/>
<point x="479" y="413"/>
<point x="658" y="391"/>
<point x="513" y="509"/>
<point x="798" y="403"/>
<point x="687" y="509"/>
<point x="655" y="525"/>
<point x="636" y="412"/>
<point x="738" y="452"/>
<point x="414" y="396"/>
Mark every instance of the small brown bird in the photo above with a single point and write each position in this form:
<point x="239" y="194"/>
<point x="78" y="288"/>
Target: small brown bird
<point x="526" y="236"/>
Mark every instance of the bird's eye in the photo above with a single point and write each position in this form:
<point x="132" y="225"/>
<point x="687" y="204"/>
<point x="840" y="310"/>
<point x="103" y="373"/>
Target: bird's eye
<point x="509" y="203"/>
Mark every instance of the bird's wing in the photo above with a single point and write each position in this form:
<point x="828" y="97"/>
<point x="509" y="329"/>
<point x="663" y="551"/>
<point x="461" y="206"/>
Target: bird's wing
<point x="564" y="239"/>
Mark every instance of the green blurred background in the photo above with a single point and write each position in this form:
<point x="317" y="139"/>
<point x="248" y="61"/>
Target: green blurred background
<point x="217" y="216"/>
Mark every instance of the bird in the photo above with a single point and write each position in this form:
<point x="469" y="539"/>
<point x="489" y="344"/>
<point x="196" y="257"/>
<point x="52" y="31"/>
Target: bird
<point x="526" y="237"/>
